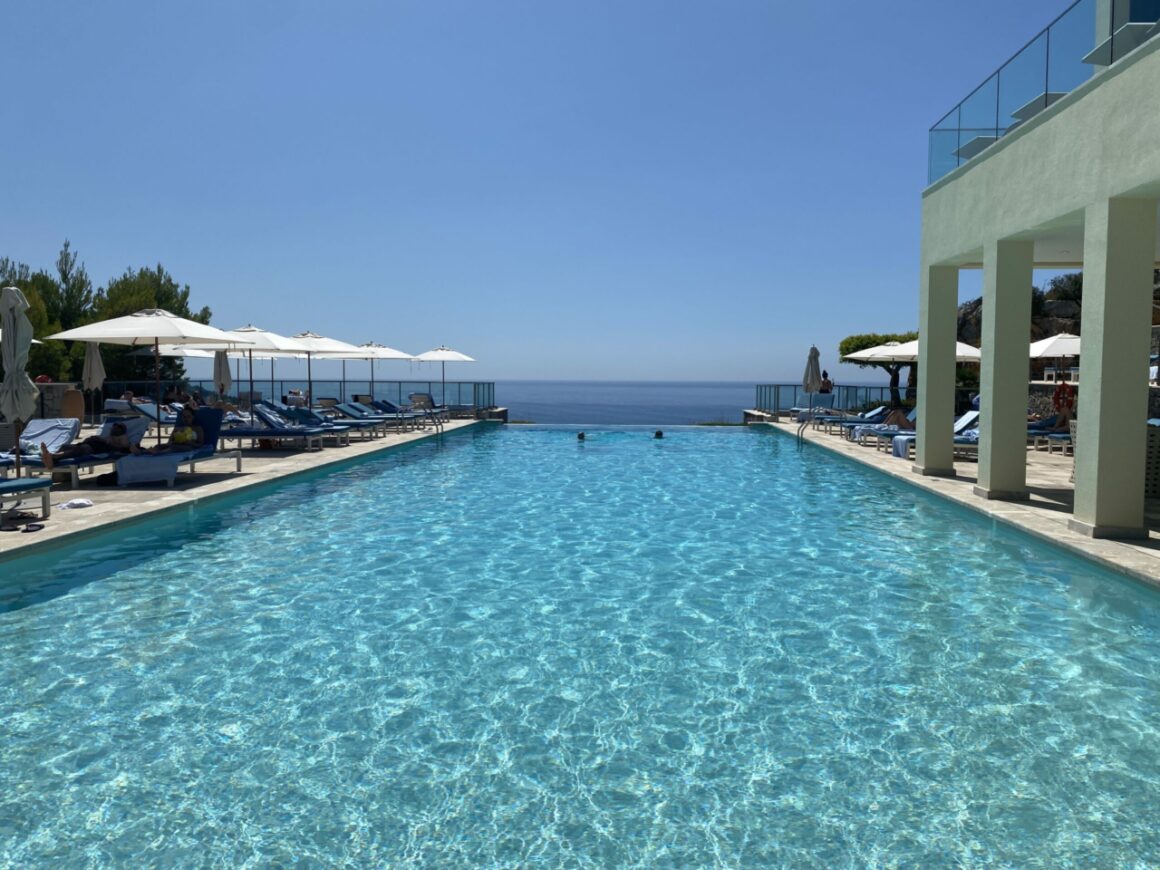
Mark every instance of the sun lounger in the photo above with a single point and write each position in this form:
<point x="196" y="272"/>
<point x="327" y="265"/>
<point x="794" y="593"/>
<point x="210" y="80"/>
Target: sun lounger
<point x="276" y="428"/>
<point x="53" y="432"/>
<point x="135" y="428"/>
<point x="840" y="422"/>
<point x="163" y="467"/>
<point x="20" y="490"/>
<point x="965" y="432"/>
<point x="424" y="403"/>
<point x="378" y="422"/>
<point x="875" y="432"/>
<point x="405" y="417"/>
<point x="338" y="432"/>
<point x="156" y="414"/>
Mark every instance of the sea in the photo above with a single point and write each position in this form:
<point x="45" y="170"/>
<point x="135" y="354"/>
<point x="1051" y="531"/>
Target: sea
<point x="608" y="403"/>
<point x="652" y="403"/>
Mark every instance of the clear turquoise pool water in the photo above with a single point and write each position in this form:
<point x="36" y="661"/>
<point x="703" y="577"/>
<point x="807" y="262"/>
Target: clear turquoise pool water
<point x="510" y="649"/>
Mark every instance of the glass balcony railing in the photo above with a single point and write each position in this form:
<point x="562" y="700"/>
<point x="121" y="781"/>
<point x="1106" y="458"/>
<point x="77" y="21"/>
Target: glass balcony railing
<point x="1087" y="38"/>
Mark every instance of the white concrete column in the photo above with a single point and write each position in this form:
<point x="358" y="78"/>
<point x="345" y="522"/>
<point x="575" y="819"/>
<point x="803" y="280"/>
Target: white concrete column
<point x="938" y="321"/>
<point x="1111" y="442"/>
<point x="1007" y="275"/>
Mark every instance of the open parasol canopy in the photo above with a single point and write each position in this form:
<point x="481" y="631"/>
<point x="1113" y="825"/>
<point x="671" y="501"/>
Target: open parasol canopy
<point x="443" y="355"/>
<point x="152" y="326"/>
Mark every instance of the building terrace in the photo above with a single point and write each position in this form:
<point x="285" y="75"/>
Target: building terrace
<point x="1073" y="184"/>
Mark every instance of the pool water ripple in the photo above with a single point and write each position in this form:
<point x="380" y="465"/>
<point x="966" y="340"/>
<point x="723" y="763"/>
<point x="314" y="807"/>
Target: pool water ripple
<point x="508" y="648"/>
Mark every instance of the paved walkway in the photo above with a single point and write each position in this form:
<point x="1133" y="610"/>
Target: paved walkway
<point x="1045" y="515"/>
<point x="217" y="477"/>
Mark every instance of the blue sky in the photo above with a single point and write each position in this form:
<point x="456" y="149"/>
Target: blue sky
<point x="638" y="190"/>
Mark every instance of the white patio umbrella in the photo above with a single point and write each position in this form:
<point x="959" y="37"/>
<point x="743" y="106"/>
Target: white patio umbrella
<point x="371" y="351"/>
<point x="907" y="351"/>
<point x="1055" y="346"/>
<point x="176" y="350"/>
<point x="319" y="345"/>
<point x="263" y="344"/>
<point x="151" y="326"/>
<point x="443" y="355"/>
<point x="18" y="394"/>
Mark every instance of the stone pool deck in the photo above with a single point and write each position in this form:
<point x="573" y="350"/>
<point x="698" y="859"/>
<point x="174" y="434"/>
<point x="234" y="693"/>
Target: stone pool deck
<point x="1044" y="515"/>
<point x="114" y="505"/>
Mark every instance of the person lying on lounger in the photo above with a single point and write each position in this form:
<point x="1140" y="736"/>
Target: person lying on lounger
<point x="117" y="441"/>
<point x="897" y="419"/>
<point x="186" y="436"/>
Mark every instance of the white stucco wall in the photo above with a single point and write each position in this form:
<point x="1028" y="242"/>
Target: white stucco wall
<point x="1101" y="140"/>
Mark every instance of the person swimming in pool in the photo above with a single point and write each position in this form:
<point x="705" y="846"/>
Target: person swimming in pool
<point x="658" y="434"/>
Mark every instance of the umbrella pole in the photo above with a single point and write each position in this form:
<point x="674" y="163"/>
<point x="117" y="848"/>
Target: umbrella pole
<point x="342" y="392"/>
<point x="251" y="402"/>
<point x="309" y="381"/>
<point x="157" y="375"/>
<point x="372" y="378"/>
<point x="18" y="427"/>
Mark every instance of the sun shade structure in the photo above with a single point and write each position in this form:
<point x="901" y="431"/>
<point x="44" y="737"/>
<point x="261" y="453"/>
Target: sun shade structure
<point x="319" y="345"/>
<point x="1055" y="346"/>
<point x="907" y="352"/>
<point x="222" y="379"/>
<point x="18" y="394"/>
<point x="152" y="326"/>
<point x="93" y="374"/>
<point x="443" y="355"/>
<point x="374" y="350"/>
<point x="263" y="344"/>
<point x="812" y="377"/>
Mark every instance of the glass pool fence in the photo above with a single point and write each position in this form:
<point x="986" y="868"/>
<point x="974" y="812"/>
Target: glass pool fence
<point x="466" y="397"/>
<point x="1087" y="38"/>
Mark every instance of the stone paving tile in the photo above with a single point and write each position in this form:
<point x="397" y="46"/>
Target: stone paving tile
<point x="1045" y="515"/>
<point x="216" y="477"/>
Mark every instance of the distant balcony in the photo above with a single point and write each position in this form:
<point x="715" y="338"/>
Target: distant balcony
<point x="1088" y="37"/>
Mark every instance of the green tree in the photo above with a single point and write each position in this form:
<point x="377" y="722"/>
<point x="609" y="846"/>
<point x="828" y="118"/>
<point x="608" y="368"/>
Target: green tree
<point x="854" y="343"/>
<point x="1065" y="288"/>
<point x="72" y="305"/>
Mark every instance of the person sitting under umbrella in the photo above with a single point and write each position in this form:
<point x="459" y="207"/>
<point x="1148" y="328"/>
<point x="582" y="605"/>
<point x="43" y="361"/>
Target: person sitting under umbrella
<point x="186" y="436"/>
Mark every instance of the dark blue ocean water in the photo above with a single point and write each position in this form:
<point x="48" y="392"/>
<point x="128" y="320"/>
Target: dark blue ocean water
<point x="667" y="403"/>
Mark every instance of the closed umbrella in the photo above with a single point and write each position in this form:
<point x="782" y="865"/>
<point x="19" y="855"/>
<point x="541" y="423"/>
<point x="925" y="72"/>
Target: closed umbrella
<point x="812" y="377"/>
<point x="443" y="355"/>
<point x="222" y="379"/>
<point x="151" y="326"/>
<point x="93" y="374"/>
<point x="18" y="394"/>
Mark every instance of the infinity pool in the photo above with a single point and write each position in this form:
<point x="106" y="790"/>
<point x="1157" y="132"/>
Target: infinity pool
<point x="509" y="648"/>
